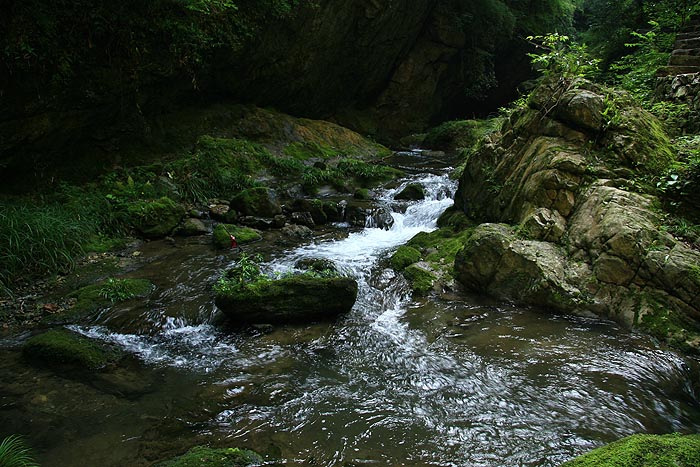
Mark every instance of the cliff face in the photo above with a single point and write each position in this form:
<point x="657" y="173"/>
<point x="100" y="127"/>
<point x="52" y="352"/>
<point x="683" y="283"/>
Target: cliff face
<point x="382" y="67"/>
<point x="564" y="224"/>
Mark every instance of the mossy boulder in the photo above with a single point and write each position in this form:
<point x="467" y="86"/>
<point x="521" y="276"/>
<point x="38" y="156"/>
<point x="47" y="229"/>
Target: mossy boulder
<point x="66" y="348"/>
<point x="156" y="218"/>
<point x="404" y="257"/>
<point x="412" y="192"/>
<point x="672" y="450"/>
<point x="258" y="201"/>
<point x="191" y="227"/>
<point x="243" y="235"/>
<point x="201" y="456"/>
<point x="300" y="298"/>
<point x="420" y="278"/>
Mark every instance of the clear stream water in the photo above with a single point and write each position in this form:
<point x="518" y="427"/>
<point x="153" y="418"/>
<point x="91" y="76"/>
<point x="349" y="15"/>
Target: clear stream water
<point x="444" y="381"/>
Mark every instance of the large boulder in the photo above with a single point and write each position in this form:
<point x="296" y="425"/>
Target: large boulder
<point x="563" y="226"/>
<point x="259" y="202"/>
<point x="156" y="218"/>
<point x="248" y="297"/>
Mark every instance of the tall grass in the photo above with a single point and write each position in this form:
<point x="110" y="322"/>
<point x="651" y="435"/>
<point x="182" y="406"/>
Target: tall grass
<point x="39" y="237"/>
<point x="14" y="452"/>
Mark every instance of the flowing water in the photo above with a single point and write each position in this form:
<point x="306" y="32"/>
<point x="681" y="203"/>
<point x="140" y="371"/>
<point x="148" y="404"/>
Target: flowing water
<point x="446" y="381"/>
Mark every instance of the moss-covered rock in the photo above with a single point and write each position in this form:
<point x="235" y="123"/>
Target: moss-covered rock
<point x="673" y="450"/>
<point x="299" y="298"/>
<point x="192" y="226"/>
<point x="63" y="347"/>
<point x="201" y="456"/>
<point x="258" y="201"/>
<point x="243" y="235"/>
<point x="155" y="219"/>
<point x="403" y="257"/>
<point x="93" y="297"/>
<point x="412" y="192"/>
<point x="420" y="278"/>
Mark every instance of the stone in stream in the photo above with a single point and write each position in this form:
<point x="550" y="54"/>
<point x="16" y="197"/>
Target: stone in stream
<point x="246" y="296"/>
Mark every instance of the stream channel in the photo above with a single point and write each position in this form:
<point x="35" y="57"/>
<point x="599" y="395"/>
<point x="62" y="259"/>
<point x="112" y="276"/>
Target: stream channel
<point x="450" y="380"/>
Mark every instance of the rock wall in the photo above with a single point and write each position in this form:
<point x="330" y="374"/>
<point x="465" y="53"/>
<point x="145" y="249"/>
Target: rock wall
<point x="564" y="225"/>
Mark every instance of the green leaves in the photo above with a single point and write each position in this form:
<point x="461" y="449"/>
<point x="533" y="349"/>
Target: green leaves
<point x="14" y="452"/>
<point x="559" y="56"/>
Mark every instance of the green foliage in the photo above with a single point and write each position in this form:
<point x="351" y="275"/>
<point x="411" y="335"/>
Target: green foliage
<point x="117" y="290"/>
<point x="14" y="452"/>
<point x="674" y="450"/>
<point x="56" y="43"/>
<point x="636" y="71"/>
<point x="559" y="56"/>
<point x="201" y="456"/>
<point x="41" y="236"/>
<point x="681" y="182"/>
<point x="246" y="271"/>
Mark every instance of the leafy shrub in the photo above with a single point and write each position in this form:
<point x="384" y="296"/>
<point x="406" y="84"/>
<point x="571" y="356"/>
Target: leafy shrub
<point x="559" y="56"/>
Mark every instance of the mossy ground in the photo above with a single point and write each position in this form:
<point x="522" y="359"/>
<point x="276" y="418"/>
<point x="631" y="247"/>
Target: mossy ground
<point x="201" y="456"/>
<point x="673" y="450"/>
<point x="60" y="346"/>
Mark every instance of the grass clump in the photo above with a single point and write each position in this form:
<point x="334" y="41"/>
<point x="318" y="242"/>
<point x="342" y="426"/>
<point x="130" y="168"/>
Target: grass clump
<point x="672" y="450"/>
<point x="14" y="452"/>
<point x="201" y="456"/>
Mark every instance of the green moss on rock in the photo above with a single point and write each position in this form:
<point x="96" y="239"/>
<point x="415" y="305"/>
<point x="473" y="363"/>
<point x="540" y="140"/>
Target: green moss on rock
<point x="201" y="456"/>
<point x="404" y="257"/>
<point x="60" y="346"/>
<point x="677" y="330"/>
<point x="155" y="218"/>
<point x="258" y="201"/>
<point x="93" y="297"/>
<point x="673" y="450"/>
<point x="243" y="235"/>
<point x="306" y="297"/>
<point x="421" y="280"/>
